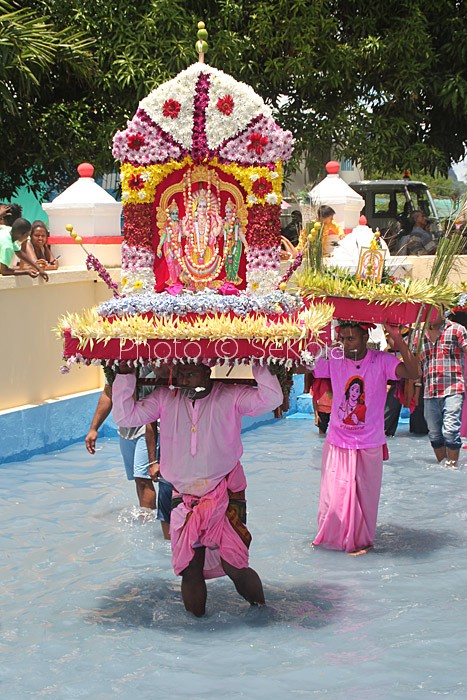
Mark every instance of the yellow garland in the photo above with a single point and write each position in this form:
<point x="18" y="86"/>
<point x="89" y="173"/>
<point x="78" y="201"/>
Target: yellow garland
<point x="243" y="176"/>
<point x="89" y="327"/>
<point x="154" y="173"/>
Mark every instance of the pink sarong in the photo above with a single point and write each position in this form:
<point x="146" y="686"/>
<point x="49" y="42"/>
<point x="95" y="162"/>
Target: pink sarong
<point x="211" y="521"/>
<point x="349" y="497"/>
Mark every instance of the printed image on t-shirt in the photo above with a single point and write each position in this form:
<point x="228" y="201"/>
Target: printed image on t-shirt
<point x="352" y="408"/>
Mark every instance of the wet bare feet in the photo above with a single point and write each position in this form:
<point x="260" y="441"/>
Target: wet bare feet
<point x="363" y="550"/>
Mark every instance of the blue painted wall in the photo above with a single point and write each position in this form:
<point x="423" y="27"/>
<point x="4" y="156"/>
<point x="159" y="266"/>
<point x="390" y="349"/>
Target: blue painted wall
<point x="57" y="424"/>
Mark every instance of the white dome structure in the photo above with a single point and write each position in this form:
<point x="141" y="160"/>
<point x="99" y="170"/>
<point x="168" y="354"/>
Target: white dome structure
<point x="336" y="193"/>
<point x="86" y="205"/>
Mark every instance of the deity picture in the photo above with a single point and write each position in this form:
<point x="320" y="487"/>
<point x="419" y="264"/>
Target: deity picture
<point x="370" y="264"/>
<point x="200" y="246"/>
<point x="202" y="226"/>
<point x="352" y="409"/>
<point x="234" y="242"/>
<point x="170" y="242"/>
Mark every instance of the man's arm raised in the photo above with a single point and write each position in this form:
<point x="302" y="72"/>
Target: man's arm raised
<point x="409" y="368"/>
<point x="126" y="411"/>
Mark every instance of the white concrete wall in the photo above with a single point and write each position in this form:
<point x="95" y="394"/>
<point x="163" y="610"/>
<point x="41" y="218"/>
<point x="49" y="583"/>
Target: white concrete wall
<point x="30" y="353"/>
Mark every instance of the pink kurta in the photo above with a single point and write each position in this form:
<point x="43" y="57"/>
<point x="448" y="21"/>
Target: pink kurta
<point x="200" y="452"/>
<point x="200" y="444"/>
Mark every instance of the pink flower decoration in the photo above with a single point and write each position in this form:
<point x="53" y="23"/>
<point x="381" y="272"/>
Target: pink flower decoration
<point x="92" y="263"/>
<point x="229" y="289"/>
<point x="171" y="109"/>
<point x="225" y="105"/>
<point x="199" y="144"/>
<point x="175" y="289"/>
<point x="242" y="148"/>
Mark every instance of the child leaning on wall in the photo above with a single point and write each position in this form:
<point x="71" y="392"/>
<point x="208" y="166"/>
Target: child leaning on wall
<point x="11" y="239"/>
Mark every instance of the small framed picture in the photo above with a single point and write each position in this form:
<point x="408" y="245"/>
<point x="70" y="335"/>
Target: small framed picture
<point x="370" y="264"/>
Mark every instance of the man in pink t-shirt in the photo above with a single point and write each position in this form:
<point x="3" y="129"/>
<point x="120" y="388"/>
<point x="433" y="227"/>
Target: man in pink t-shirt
<point x="352" y="464"/>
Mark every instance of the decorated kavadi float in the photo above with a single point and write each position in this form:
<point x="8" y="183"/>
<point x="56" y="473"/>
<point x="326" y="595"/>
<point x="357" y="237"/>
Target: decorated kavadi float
<point x="202" y="172"/>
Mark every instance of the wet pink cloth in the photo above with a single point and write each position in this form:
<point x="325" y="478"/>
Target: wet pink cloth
<point x="203" y="522"/>
<point x="349" y="496"/>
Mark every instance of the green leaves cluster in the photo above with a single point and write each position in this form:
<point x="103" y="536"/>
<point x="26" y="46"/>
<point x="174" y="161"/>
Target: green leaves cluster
<point x="384" y="82"/>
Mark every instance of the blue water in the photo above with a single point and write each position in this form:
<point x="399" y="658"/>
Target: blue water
<point x="92" y="609"/>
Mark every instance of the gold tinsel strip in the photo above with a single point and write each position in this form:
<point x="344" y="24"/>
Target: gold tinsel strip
<point x="88" y="325"/>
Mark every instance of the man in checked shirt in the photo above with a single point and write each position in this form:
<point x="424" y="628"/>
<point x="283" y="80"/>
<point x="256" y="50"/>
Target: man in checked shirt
<point x="441" y="358"/>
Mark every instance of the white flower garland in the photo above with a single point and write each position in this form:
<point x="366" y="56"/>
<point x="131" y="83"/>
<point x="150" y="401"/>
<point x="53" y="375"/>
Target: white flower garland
<point x="247" y="105"/>
<point x="138" y="282"/>
<point x="262" y="281"/>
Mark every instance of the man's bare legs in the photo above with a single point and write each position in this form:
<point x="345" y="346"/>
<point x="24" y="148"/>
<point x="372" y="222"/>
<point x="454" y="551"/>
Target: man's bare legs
<point x="165" y="529"/>
<point x="146" y="493"/>
<point x="194" y="591"/>
<point x="440" y="453"/>
<point x="247" y="582"/>
<point x="452" y="457"/>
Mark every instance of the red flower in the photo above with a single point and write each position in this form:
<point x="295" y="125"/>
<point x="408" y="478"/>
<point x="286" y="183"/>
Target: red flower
<point x="136" y="141"/>
<point x="261" y="187"/>
<point x="138" y="224"/>
<point x="257" y="143"/>
<point x="225" y="104"/>
<point x="136" y="182"/>
<point x="171" y="108"/>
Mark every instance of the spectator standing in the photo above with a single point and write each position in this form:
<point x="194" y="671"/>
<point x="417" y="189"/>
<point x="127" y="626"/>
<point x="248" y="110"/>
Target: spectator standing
<point x="321" y="392"/>
<point x="442" y="363"/>
<point x="138" y="447"/>
<point x="332" y="232"/>
<point x="292" y="230"/>
<point x="9" y="213"/>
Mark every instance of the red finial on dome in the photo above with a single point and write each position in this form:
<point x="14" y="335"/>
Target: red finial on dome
<point x="85" y="170"/>
<point x="363" y="220"/>
<point x="332" y="167"/>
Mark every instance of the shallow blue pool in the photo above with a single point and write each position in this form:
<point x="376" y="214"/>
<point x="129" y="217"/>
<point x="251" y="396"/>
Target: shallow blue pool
<point x="91" y="608"/>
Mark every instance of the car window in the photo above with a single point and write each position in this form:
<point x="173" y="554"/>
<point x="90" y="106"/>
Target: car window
<point x="382" y="203"/>
<point x="401" y="204"/>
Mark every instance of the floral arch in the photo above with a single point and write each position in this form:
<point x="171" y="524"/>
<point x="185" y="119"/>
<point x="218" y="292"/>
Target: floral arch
<point x="201" y="137"/>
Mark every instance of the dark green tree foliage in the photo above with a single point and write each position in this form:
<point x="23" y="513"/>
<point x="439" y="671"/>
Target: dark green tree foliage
<point x="385" y="82"/>
<point x="35" y="53"/>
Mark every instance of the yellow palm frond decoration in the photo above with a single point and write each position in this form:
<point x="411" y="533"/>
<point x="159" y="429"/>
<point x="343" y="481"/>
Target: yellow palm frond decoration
<point x="89" y="326"/>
